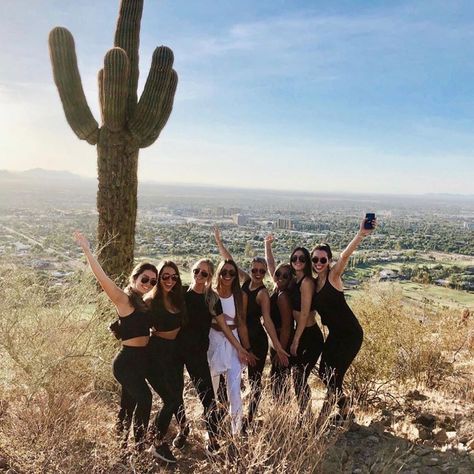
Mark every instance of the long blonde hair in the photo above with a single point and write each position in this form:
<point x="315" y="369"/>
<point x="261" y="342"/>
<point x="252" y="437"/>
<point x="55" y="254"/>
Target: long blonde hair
<point x="210" y="296"/>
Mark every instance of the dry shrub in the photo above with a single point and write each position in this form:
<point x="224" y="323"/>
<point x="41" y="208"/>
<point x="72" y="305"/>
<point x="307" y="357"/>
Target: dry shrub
<point x="397" y="345"/>
<point x="56" y="354"/>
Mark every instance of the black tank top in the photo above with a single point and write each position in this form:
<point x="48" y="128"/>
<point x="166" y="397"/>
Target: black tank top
<point x="135" y="324"/>
<point x="334" y="311"/>
<point x="295" y="296"/>
<point x="163" y="320"/>
<point x="254" y="312"/>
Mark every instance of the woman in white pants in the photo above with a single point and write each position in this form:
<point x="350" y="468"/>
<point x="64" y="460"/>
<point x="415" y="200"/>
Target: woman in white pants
<point x="224" y="359"/>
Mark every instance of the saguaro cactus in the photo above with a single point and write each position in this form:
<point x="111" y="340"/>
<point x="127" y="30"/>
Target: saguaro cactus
<point x="128" y="124"/>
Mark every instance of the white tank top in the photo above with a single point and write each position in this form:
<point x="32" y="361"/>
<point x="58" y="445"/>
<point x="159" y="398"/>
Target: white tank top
<point x="228" y="308"/>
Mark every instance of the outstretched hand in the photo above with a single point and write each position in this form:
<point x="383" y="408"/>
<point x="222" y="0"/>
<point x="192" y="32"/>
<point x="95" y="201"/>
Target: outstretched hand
<point x="269" y="239"/>
<point x="365" y="232"/>
<point x="81" y="240"/>
<point x="217" y="234"/>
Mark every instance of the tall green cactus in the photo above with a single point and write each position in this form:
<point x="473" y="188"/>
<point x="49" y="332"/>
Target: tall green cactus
<point x="128" y="124"/>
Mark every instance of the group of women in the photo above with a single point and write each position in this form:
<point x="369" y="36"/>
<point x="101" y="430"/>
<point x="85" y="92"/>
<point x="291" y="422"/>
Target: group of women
<point x="221" y="324"/>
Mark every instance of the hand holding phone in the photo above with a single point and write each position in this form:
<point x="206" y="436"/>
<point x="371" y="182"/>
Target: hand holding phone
<point x="369" y="221"/>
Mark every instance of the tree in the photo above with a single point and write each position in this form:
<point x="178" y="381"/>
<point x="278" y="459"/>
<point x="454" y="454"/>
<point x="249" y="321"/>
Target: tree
<point x="128" y="124"/>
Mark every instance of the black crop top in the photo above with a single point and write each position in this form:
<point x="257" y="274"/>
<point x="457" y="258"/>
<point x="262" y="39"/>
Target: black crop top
<point x="163" y="320"/>
<point x="254" y="312"/>
<point x="135" y="324"/>
<point x="295" y="296"/>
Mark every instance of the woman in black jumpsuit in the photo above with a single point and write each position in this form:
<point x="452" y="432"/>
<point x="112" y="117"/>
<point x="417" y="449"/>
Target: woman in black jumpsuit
<point x="345" y="333"/>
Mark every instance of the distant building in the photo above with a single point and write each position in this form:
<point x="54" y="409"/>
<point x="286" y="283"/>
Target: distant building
<point x="240" y="219"/>
<point x="284" y="224"/>
<point x="468" y="225"/>
<point x="220" y="211"/>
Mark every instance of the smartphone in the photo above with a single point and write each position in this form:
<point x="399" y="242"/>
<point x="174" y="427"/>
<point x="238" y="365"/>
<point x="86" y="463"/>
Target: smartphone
<point x="370" y="218"/>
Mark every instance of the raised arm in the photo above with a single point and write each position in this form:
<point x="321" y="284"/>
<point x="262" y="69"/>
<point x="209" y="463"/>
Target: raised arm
<point x="264" y="301"/>
<point x="118" y="297"/>
<point x="307" y="290"/>
<point x="269" y="255"/>
<point x="226" y="255"/>
<point x="338" y="269"/>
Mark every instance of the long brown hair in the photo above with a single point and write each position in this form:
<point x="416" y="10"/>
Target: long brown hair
<point x="236" y="290"/>
<point x="176" y="297"/>
<point x="135" y="298"/>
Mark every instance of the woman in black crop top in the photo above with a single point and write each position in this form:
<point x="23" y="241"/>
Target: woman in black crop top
<point x="168" y="313"/>
<point x="345" y="333"/>
<point x="257" y="301"/>
<point x="307" y="342"/>
<point x="130" y="364"/>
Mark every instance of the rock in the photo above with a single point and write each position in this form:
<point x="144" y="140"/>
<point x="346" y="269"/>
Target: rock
<point x="470" y="445"/>
<point x="3" y="463"/>
<point x="373" y="439"/>
<point x="421" y="451"/>
<point x="451" y="435"/>
<point x="424" y="433"/>
<point x="377" y="426"/>
<point x="426" y="419"/>
<point x="430" y="461"/>
<point x="440" y="436"/>
<point x="464" y="439"/>
<point x="353" y="427"/>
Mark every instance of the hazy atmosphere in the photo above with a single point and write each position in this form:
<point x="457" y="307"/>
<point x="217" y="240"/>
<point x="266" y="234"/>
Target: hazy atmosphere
<point x="354" y="95"/>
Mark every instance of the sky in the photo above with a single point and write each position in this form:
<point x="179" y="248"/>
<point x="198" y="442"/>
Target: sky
<point x="323" y="96"/>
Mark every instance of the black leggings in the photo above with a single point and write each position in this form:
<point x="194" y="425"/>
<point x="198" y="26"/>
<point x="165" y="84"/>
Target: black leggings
<point x="280" y="377"/>
<point x="339" y="350"/>
<point x="259" y="344"/>
<point x="129" y="368"/>
<point x="165" y="375"/>
<point x="198" y="369"/>
<point x="309" y="350"/>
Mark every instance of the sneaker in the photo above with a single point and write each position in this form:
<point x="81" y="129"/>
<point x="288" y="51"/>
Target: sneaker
<point x="180" y="439"/>
<point x="162" y="452"/>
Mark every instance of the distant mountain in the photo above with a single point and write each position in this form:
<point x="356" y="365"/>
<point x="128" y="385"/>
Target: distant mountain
<point x="42" y="174"/>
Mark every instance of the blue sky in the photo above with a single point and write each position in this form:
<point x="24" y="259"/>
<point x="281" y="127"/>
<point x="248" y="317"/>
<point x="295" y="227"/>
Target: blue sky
<point x="309" y="95"/>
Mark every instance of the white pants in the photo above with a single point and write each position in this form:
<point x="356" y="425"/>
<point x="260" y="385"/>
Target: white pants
<point x="223" y="359"/>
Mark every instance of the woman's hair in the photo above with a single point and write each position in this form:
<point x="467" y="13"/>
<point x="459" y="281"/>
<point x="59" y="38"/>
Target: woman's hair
<point x="176" y="296"/>
<point x="279" y="267"/>
<point x="259" y="260"/>
<point x="307" y="270"/>
<point x="236" y="290"/>
<point x="325" y="248"/>
<point x="135" y="298"/>
<point x="210" y="296"/>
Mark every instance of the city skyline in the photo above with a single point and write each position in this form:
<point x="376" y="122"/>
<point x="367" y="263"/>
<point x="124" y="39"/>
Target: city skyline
<point x="308" y="96"/>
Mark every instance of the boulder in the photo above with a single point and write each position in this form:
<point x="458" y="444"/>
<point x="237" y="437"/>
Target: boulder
<point x="426" y="419"/>
<point x="440" y="436"/>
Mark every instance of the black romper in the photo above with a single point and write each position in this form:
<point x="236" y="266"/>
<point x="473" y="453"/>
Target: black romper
<point x="345" y="335"/>
<point x="278" y="373"/>
<point x="309" y="350"/>
<point x="193" y="342"/>
<point x="258" y="343"/>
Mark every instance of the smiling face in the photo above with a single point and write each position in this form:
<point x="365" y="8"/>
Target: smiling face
<point x="258" y="271"/>
<point x="282" y="276"/>
<point x="145" y="281"/>
<point x="168" y="279"/>
<point x="202" y="274"/>
<point x="227" y="275"/>
<point x="320" y="261"/>
<point x="298" y="261"/>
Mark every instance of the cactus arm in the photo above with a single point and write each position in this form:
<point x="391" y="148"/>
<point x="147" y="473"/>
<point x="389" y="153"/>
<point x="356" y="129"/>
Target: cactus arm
<point x="68" y="81"/>
<point x="166" y="109"/>
<point x="127" y="37"/>
<point x="100" y="82"/>
<point x="115" y="92"/>
<point x="149" y="106"/>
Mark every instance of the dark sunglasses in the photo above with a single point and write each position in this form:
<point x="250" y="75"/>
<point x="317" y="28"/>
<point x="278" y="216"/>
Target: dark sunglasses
<point x="283" y="276"/>
<point x="260" y="271"/>
<point x="198" y="271"/>
<point x="323" y="260"/>
<point x="167" y="276"/>
<point x="224" y="273"/>
<point x="300" y="258"/>
<point x="144" y="279"/>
